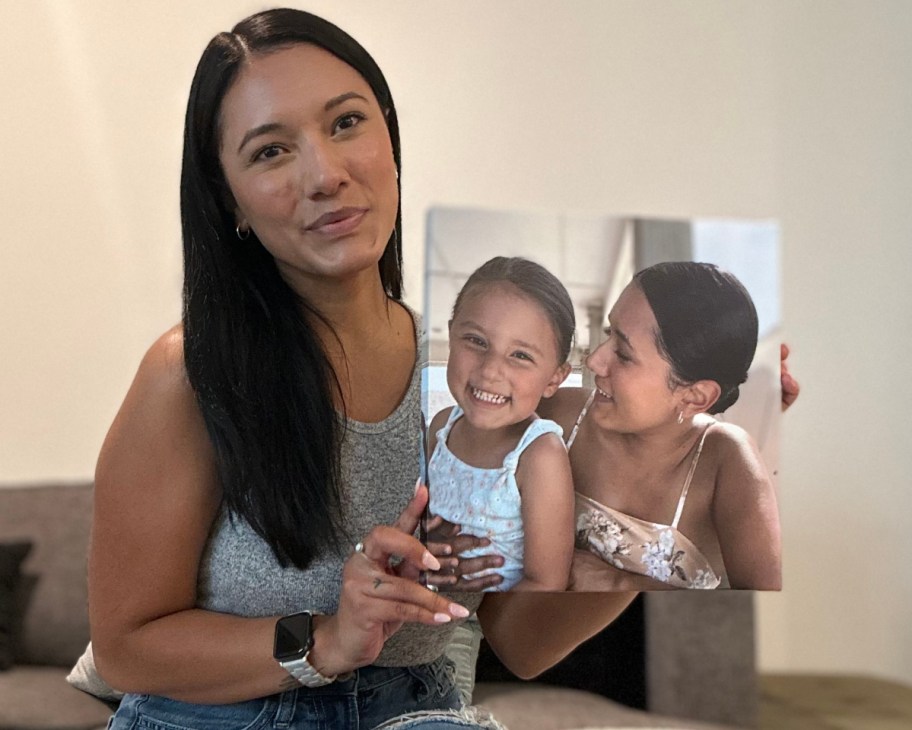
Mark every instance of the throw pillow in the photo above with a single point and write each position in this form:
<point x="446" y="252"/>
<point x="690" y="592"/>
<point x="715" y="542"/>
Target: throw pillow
<point x="11" y="557"/>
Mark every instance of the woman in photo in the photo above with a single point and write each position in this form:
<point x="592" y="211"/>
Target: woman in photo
<point x="667" y="496"/>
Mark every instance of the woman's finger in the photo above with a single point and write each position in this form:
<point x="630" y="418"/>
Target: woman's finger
<point x="480" y="583"/>
<point x="470" y="567"/>
<point x="440" y="530"/>
<point x="434" y="523"/>
<point x="445" y="577"/>
<point x="790" y="387"/>
<point x="410" y="517"/>
<point x="465" y="542"/>
<point x="377" y="595"/>
<point x="384" y="542"/>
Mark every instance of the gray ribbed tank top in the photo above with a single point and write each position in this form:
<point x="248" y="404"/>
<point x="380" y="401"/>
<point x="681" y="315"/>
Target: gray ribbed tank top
<point x="380" y="463"/>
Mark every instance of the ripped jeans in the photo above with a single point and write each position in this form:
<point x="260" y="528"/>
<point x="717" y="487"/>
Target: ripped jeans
<point x="424" y="696"/>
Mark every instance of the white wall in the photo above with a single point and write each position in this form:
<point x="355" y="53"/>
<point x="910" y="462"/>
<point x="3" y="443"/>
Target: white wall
<point x="799" y="111"/>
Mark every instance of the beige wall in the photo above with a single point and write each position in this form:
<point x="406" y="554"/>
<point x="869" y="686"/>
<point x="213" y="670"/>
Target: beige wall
<point x="799" y="111"/>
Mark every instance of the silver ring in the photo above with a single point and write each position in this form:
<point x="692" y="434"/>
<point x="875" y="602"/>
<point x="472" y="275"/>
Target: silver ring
<point x="432" y="588"/>
<point x="395" y="561"/>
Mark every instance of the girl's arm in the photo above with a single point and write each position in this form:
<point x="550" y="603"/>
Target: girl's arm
<point x="156" y="496"/>
<point x="745" y="513"/>
<point x="546" y="488"/>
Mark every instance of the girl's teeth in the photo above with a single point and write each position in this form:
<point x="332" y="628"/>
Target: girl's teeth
<point x="489" y="397"/>
<point x="604" y="393"/>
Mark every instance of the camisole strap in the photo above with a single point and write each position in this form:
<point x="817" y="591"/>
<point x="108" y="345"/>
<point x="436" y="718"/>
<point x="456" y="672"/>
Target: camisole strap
<point x="579" y="419"/>
<point x="444" y="433"/>
<point x="690" y="473"/>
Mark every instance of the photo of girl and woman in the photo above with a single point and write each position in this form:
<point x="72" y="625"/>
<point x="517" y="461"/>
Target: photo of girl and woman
<point x="625" y="479"/>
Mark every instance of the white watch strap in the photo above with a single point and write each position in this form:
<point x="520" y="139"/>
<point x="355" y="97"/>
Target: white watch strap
<point x="306" y="673"/>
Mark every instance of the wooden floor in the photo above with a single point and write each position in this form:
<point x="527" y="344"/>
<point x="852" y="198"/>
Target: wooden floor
<point x="808" y="702"/>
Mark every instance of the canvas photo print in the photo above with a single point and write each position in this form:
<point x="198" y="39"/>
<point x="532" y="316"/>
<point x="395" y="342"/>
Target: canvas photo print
<point x="602" y="397"/>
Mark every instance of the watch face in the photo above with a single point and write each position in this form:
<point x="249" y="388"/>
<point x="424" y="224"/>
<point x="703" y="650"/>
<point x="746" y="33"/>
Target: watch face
<point x="293" y="637"/>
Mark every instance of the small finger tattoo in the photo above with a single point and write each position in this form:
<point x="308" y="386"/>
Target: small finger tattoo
<point x="377" y="583"/>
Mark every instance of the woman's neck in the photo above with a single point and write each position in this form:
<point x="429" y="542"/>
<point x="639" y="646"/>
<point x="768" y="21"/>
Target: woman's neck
<point x="349" y="305"/>
<point x="675" y="440"/>
<point x="368" y="339"/>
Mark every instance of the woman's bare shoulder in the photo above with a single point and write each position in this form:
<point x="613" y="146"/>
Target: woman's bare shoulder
<point x="734" y="450"/>
<point x="565" y="405"/>
<point x="159" y="418"/>
<point x="163" y="364"/>
<point x="728" y="438"/>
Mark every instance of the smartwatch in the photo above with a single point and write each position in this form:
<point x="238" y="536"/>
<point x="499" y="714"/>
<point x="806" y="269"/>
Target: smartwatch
<point x="293" y="642"/>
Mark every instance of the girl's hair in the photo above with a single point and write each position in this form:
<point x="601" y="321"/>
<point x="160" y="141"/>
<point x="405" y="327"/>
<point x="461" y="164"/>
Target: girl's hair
<point x="260" y="375"/>
<point x="536" y="283"/>
<point x="707" y="324"/>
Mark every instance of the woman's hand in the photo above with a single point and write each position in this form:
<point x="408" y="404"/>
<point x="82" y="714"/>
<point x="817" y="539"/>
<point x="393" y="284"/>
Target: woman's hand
<point x="590" y="573"/>
<point x="447" y="543"/>
<point x="790" y="386"/>
<point x="378" y="597"/>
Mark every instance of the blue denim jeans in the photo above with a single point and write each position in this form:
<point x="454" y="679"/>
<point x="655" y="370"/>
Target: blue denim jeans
<point x="371" y="697"/>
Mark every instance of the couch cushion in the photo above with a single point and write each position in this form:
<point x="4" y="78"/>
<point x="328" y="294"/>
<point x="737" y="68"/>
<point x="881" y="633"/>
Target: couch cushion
<point x="56" y="519"/>
<point x="534" y="706"/>
<point x="39" y="698"/>
<point x="11" y="557"/>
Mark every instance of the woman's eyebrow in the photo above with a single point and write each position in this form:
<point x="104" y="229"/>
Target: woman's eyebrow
<point x="619" y="333"/>
<point x="257" y="131"/>
<point x="342" y="98"/>
<point x="274" y="126"/>
<point x="624" y="337"/>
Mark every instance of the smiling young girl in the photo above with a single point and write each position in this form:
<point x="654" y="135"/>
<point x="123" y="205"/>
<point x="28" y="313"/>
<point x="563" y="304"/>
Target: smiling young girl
<point x="496" y="468"/>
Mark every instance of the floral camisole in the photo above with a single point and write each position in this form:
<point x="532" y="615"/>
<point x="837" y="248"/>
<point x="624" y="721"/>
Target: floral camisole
<point x="638" y="546"/>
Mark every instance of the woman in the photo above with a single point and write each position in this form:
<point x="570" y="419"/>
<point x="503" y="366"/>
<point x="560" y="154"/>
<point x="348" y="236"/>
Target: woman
<point x="666" y="495"/>
<point x="277" y="425"/>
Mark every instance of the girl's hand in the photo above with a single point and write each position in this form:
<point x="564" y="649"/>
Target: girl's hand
<point x="377" y="598"/>
<point x="447" y="543"/>
<point x="790" y="386"/>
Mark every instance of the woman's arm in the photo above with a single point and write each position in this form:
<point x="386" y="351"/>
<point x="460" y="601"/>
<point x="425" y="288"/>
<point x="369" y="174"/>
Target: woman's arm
<point x="531" y="632"/>
<point x="156" y="497"/>
<point x="546" y="490"/>
<point x="745" y="513"/>
<point x="591" y="573"/>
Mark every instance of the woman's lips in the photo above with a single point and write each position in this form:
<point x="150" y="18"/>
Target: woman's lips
<point x="338" y="222"/>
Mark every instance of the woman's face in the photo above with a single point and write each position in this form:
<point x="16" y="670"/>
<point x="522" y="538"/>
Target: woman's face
<point x="631" y="376"/>
<point x="307" y="155"/>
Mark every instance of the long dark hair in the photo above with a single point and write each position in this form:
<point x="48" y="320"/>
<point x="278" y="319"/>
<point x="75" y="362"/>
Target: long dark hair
<point x="261" y="377"/>
<point x="536" y="283"/>
<point x="707" y="324"/>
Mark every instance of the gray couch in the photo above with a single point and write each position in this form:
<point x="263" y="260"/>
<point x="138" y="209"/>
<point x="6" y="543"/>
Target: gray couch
<point x="699" y="655"/>
<point x="52" y="594"/>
